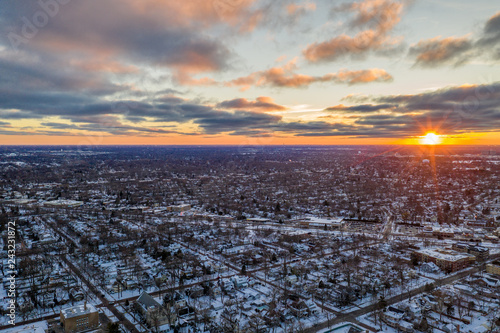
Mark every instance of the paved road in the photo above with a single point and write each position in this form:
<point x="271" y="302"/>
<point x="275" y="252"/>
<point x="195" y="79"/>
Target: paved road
<point x="340" y="316"/>
<point x="110" y="306"/>
<point x="130" y="327"/>
<point x="351" y="316"/>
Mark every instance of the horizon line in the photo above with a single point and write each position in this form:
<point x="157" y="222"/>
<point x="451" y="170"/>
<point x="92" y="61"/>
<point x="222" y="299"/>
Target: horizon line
<point x="253" y="145"/>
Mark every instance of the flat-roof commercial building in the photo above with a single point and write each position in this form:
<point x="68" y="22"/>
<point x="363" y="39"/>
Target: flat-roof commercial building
<point x="79" y="318"/>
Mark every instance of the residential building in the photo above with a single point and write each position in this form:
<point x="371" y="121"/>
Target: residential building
<point x="446" y="260"/>
<point x="153" y="312"/>
<point x="480" y="252"/>
<point x="493" y="268"/>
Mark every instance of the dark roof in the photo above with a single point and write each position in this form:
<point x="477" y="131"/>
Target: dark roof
<point x="393" y="309"/>
<point x="479" y="249"/>
<point x="147" y="301"/>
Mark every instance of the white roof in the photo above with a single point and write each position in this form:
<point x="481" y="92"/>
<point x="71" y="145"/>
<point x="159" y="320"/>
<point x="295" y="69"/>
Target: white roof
<point x="78" y="310"/>
<point x="447" y="255"/>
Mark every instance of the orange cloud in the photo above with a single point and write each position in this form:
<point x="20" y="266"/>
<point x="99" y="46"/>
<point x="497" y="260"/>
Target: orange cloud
<point x="342" y="45"/>
<point x="285" y="77"/>
<point x="207" y="13"/>
<point x="294" y="8"/>
<point x="363" y="76"/>
<point x="186" y="79"/>
<point x="380" y="15"/>
<point x="377" y="17"/>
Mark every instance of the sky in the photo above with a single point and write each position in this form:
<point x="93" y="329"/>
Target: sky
<point x="249" y="72"/>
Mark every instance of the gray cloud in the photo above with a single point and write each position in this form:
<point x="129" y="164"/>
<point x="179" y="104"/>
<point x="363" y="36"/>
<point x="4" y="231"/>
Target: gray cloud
<point x="227" y="122"/>
<point x="436" y="52"/>
<point x="457" y="51"/>
<point x="261" y="103"/>
<point x="110" y="36"/>
<point x="490" y="39"/>
<point x="451" y="110"/>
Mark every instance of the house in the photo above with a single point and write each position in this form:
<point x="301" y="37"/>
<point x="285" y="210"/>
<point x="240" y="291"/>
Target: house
<point x="177" y="299"/>
<point x="76" y="294"/>
<point x="227" y="285"/>
<point x="299" y="309"/>
<point x="392" y="316"/>
<point x="240" y="282"/>
<point x="231" y="317"/>
<point x="186" y="313"/>
<point x="412" y="309"/>
<point x="465" y="289"/>
<point x="488" y="282"/>
<point x="259" y="306"/>
<point x="196" y="291"/>
<point x="429" y="267"/>
<point x="79" y="318"/>
<point x="429" y="302"/>
<point x="313" y="308"/>
<point x="153" y="312"/>
<point x="271" y="317"/>
<point x="250" y="295"/>
<point x="405" y="326"/>
<point x="450" y="328"/>
<point x="291" y="279"/>
<point x="215" y="291"/>
<point x="116" y="287"/>
<point x="130" y="283"/>
<point x="216" y="305"/>
<point x="180" y="303"/>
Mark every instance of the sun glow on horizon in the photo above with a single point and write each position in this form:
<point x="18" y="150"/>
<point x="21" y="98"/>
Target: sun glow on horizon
<point x="430" y="138"/>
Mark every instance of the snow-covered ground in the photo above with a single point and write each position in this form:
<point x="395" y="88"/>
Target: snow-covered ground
<point x="38" y="327"/>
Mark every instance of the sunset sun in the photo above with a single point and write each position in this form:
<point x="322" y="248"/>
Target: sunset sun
<point x="430" y="139"/>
